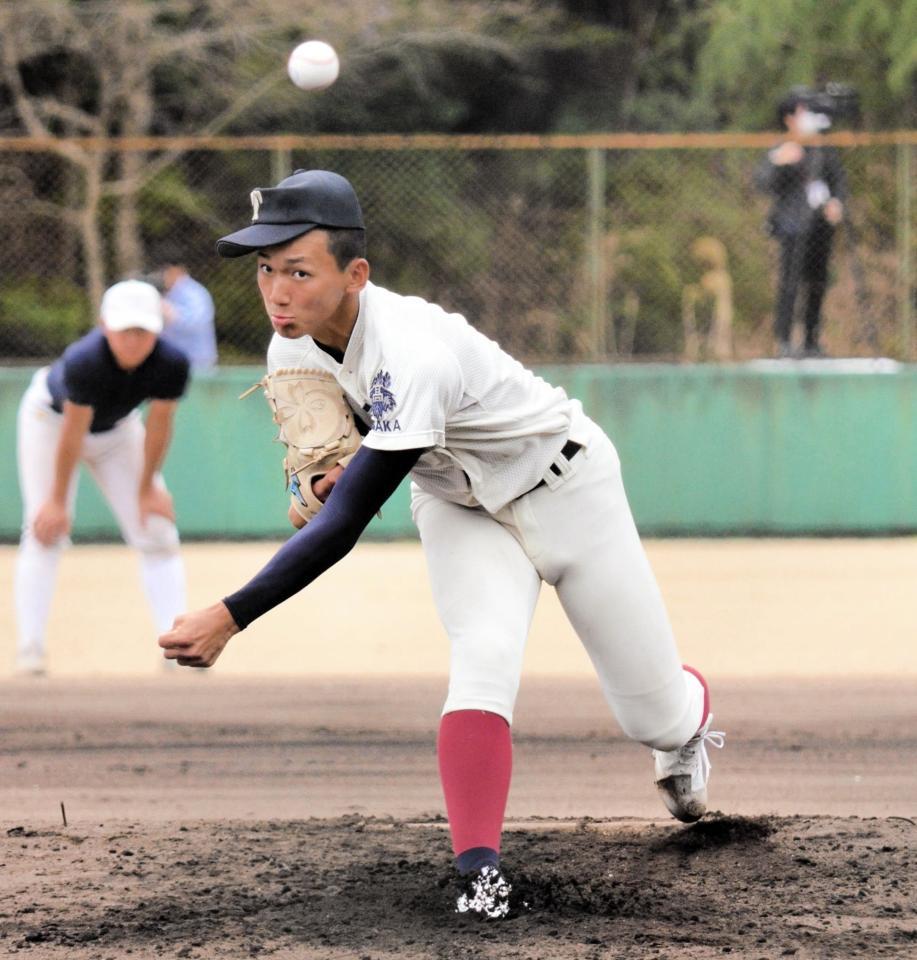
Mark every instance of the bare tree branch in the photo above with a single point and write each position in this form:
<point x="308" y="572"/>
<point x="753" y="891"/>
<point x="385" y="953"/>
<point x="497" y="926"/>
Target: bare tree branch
<point x="54" y="211"/>
<point x="120" y="188"/>
<point x="16" y="189"/>
<point x="26" y="108"/>
<point x="76" y="118"/>
<point x="110" y="52"/>
<point x="13" y="80"/>
<point x="190" y="41"/>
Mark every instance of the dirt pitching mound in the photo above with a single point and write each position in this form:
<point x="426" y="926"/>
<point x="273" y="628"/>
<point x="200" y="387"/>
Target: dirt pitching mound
<point x="378" y="888"/>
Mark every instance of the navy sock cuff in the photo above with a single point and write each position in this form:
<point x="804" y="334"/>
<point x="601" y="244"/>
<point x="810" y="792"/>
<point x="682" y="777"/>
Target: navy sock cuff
<point x="476" y="857"/>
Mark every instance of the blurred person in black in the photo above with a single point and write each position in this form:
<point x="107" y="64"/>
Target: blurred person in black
<point x="808" y="185"/>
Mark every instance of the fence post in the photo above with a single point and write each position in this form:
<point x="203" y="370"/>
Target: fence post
<point x="903" y="243"/>
<point x="281" y="164"/>
<point x="595" y="165"/>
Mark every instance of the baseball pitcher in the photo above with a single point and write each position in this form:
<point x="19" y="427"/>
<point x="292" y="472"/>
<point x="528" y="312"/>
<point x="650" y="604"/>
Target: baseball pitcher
<point x="512" y="486"/>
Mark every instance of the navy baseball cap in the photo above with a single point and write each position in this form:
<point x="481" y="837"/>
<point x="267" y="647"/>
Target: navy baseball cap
<point x="303" y="201"/>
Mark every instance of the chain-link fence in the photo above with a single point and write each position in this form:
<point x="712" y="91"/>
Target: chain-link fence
<point x="560" y="248"/>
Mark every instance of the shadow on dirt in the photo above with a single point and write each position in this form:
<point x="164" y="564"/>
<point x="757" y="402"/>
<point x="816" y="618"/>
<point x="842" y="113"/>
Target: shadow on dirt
<point x="717" y="830"/>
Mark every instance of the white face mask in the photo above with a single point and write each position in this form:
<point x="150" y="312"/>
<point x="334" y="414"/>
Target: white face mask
<point x="808" y="123"/>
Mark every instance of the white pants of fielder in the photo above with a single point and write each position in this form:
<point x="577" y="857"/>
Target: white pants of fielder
<point x="115" y="460"/>
<point x="576" y="533"/>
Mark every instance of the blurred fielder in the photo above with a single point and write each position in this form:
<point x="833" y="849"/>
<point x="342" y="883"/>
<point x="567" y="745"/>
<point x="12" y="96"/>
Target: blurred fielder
<point x="512" y="485"/>
<point x="84" y="409"/>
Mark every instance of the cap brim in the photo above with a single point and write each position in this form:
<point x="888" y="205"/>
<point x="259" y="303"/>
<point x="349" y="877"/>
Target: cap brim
<point x="260" y="235"/>
<point x="152" y="324"/>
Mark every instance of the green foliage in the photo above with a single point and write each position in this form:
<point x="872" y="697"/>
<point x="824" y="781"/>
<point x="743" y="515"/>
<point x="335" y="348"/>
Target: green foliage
<point x="169" y="199"/>
<point x="39" y="318"/>
<point x="503" y="237"/>
<point x="754" y="51"/>
<point x="660" y="205"/>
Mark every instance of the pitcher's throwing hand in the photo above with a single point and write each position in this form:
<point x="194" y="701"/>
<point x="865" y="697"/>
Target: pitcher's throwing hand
<point x="197" y="639"/>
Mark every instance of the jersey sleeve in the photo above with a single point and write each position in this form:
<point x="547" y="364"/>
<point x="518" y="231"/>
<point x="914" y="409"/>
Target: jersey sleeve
<point x="410" y="400"/>
<point x="81" y="379"/>
<point x="369" y="480"/>
<point x="172" y="377"/>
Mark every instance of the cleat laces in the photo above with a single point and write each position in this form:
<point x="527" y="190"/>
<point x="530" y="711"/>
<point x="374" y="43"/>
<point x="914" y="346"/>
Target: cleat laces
<point x="694" y="753"/>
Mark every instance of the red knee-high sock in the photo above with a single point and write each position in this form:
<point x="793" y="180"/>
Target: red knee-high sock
<point x="475" y="763"/>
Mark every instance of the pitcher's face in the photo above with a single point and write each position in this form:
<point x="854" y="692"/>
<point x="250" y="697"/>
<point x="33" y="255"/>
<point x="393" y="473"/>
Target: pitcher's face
<point x="306" y="292"/>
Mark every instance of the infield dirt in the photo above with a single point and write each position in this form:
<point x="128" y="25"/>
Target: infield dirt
<point x="379" y="888"/>
<point x="275" y="807"/>
<point x="215" y="818"/>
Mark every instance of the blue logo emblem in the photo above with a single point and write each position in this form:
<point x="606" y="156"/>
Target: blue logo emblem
<point x="382" y="402"/>
<point x="296" y="490"/>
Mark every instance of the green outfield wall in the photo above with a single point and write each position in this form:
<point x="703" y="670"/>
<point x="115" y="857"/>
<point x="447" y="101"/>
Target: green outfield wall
<point x="778" y="448"/>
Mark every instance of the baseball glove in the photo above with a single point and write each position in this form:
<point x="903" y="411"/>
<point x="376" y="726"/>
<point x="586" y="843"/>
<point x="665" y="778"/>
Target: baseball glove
<point x="316" y="426"/>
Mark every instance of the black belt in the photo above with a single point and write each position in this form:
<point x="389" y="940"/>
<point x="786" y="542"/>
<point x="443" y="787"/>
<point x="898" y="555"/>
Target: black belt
<point x="570" y="449"/>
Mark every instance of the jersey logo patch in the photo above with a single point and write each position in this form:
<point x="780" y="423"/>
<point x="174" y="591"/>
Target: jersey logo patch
<point x="296" y="490"/>
<point x="382" y="402"/>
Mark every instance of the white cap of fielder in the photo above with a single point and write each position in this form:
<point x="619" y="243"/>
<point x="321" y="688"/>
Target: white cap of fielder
<point x="132" y="303"/>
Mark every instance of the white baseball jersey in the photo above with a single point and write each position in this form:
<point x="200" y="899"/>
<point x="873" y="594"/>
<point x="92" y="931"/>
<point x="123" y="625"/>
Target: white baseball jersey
<point x="421" y="377"/>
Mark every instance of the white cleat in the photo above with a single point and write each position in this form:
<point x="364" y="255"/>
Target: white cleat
<point x="30" y="665"/>
<point x="486" y="894"/>
<point x="682" y="774"/>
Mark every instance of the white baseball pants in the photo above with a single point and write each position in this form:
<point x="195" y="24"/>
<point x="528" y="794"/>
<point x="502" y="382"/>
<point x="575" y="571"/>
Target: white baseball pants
<point x="115" y="460"/>
<point x="486" y="571"/>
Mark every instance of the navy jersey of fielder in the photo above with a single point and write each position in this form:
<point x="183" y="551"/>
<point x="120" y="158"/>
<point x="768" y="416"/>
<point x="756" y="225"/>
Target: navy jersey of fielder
<point x="88" y="374"/>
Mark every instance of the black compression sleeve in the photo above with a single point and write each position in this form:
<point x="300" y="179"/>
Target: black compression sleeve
<point x="369" y="480"/>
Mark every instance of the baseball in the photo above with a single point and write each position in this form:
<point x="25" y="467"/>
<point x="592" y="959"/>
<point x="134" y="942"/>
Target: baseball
<point x="313" y="65"/>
